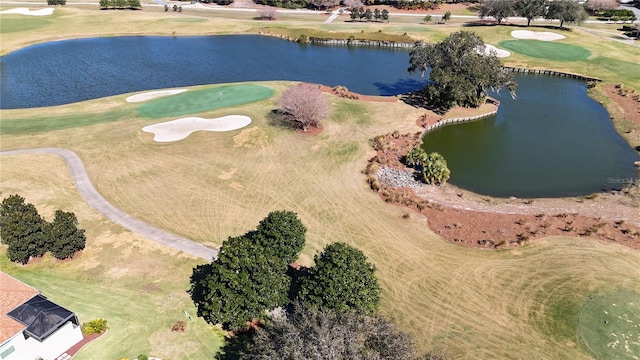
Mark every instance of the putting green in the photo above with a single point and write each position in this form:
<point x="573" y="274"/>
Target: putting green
<point x="546" y="49"/>
<point x="609" y="325"/>
<point x="192" y="102"/>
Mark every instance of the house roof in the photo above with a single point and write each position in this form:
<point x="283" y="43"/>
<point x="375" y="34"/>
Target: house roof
<point x="13" y="293"/>
<point x="41" y="316"/>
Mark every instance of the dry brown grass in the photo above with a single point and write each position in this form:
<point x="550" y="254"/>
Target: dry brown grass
<point x="469" y="303"/>
<point x="474" y="303"/>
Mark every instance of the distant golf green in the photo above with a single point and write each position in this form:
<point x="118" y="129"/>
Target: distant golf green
<point x="546" y="49"/>
<point x="610" y="325"/>
<point x="192" y="102"/>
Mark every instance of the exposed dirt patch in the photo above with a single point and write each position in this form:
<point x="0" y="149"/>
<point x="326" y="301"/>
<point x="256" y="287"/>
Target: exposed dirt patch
<point x="474" y="220"/>
<point x="626" y="114"/>
<point x="311" y="130"/>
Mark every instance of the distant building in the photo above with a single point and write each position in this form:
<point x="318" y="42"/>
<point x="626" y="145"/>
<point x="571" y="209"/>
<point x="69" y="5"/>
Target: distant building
<point x="32" y="327"/>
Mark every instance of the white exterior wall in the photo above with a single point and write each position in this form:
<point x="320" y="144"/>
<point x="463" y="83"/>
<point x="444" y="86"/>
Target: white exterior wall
<point x="53" y="346"/>
<point x="18" y="343"/>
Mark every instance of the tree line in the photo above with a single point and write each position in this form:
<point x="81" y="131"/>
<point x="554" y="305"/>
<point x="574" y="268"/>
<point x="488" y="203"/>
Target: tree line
<point x="120" y="4"/>
<point x="28" y="235"/>
<point x="563" y="10"/>
<point x="326" y="311"/>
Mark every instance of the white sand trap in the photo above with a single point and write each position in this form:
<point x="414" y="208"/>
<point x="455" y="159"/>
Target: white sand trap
<point x="152" y="95"/>
<point x="536" y="35"/>
<point x="26" y="11"/>
<point x="179" y="129"/>
<point x="499" y="52"/>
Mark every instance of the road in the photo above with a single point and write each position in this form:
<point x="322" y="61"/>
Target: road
<point x="96" y="201"/>
<point x="330" y="18"/>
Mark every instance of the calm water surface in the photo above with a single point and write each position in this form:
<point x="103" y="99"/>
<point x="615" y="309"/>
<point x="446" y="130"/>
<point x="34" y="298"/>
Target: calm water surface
<point x="553" y="140"/>
<point x="63" y="72"/>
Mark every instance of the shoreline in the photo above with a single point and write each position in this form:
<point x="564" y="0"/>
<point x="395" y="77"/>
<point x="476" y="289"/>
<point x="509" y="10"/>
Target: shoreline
<point x="474" y="220"/>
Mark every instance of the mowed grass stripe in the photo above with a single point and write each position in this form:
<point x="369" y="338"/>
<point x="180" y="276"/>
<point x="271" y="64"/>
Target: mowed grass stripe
<point x="41" y="124"/>
<point x="192" y="102"/>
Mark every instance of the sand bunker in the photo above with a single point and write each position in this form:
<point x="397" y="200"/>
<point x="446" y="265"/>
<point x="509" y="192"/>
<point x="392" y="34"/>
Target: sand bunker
<point x="26" y="11"/>
<point x="181" y="128"/>
<point x="536" y="35"/>
<point x="499" y="52"/>
<point x="152" y="95"/>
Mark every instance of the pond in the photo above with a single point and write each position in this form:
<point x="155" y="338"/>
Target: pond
<point x="63" y="72"/>
<point x="552" y="141"/>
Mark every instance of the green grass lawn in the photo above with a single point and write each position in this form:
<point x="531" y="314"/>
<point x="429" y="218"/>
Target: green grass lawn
<point x="38" y="124"/>
<point x="609" y="325"/>
<point x="547" y="50"/>
<point x="17" y="23"/>
<point x="192" y="102"/>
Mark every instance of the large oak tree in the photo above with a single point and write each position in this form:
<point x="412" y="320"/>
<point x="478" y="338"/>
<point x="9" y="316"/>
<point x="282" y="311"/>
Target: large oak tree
<point x="341" y="280"/>
<point x="311" y="333"/>
<point x="250" y="275"/>
<point x="281" y="234"/>
<point x="64" y="236"/>
<point x="566" y="11"/>
<point x="498" y="9"/>
<point x="242" y="284"/>
<point x="461" y="72"/>
<point x="22" y="229"/>
<point x="530" y="9"/>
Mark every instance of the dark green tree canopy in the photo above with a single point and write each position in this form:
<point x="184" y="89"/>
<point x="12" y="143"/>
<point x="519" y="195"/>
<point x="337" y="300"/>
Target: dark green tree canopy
<point x="239" y="286"/>
<point x="22" y="229"/>
<point x="461" y="72"/>
<point x="530" y="9"/>
<point x="311" y="333"/>
<point x="249" y="277"/>
<point x="281" y="234"/>
<point x="566" y="11"/>
<point x="342" y="280"/>
<point x="498" y="9"/>
<point x="64" y="236"/>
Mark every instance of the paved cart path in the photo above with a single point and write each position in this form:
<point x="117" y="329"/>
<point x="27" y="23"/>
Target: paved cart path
<point x="93" y="198"/>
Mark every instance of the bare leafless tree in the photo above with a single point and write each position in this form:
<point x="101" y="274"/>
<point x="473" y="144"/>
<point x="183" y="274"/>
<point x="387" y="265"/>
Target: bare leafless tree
<point x="353" y="4"/>
<point x="597" y="6"/>
<point x="303" y="105"/>
<point x="267" y="13"/>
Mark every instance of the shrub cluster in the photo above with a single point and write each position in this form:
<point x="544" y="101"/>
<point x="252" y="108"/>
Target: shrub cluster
<point x="95" y="326"/>
<point x="432" y="167"/>
<point x="618" y="15"/>
<point x="119" y="4"/>
<point x="368" y="15"/>
<point x="28" y="235"/>
<point x="56" y="2"/>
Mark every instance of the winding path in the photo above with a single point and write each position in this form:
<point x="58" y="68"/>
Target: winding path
<point x="93" y="198"/>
